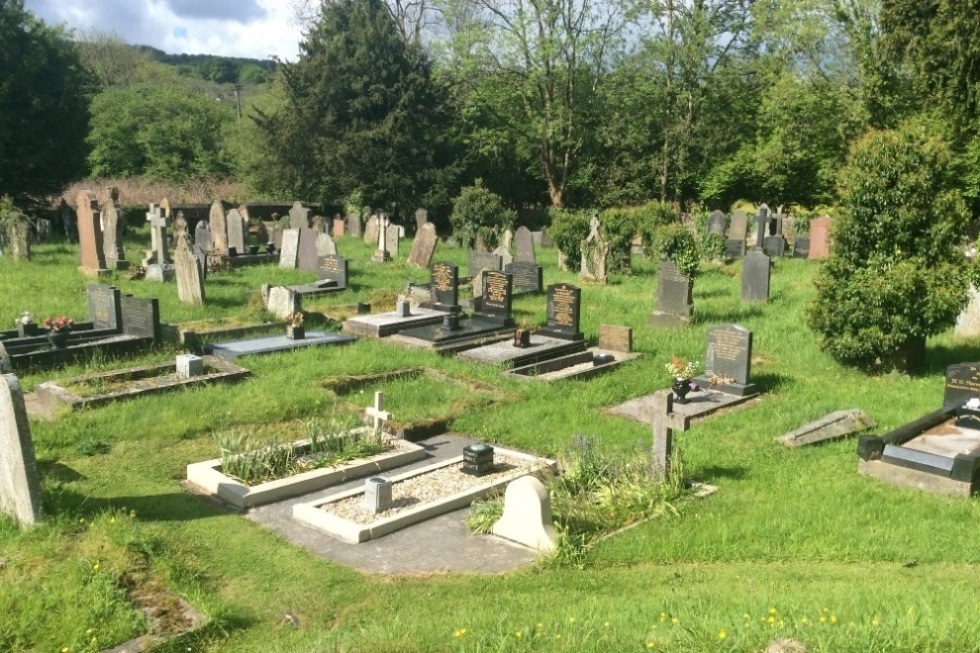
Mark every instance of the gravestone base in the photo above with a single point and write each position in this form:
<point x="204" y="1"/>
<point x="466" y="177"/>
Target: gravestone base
<point x="317" y="288"/>
<point x="271" y="344"/>
<point x="699" y="404"/>
<point x="383" y="325"/>
<point x="541" y="349"/>
<point x="583" y="365"/>
<point x="157" y="272"/>
<point x="94" y="273"/>
<point x="737" y="389"/>
<point x="381" y="256"/>
<point x="242" y="260"/>
<point x="471" y="333"/>
<point x="560" y="334"/>
<point x="669" y="320"/>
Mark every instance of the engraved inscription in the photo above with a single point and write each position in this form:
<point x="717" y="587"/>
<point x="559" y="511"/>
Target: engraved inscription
<point x="563" y="306"/>
<point x="443" y="278"/>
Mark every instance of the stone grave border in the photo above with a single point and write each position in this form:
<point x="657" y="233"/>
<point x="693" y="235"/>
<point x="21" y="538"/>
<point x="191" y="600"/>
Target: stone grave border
<point x="421" y="429"/>
<point x="567" y="367"/>
<point x="207" y="475"/>
<point x="312" y="514"/>
<point x="195" y="339"/>
<point x="55" y="394"/>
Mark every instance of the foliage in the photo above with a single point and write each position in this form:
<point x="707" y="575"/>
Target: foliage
<point x="568" y="229"/>
<point x="897" y="272"/>
<point x="163" y="132"/>
<point x="479" y="216"/>
<point x="43" y="110"/>
<point x="676" y="242"/>
<point x="484" y="513"/>
<point x="619" y="227"/>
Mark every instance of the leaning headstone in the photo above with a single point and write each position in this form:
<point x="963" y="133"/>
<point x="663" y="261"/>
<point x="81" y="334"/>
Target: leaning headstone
<point x="528" y="277"/>
<point x="112" y="233"/>
<point x="756" y="271"/>
<point x="820" y="238"/>
<point x="202" y="235"/>
<point x="219" y="229"/>
<point x="424" y="246"/>
<point x="20" y="485"/>
<point x="421" y="218"/>
<point x="289" y="252"/>
<point x="761" y="225"/>
<point x="595" y="251"/>
<point x="524" y="245"/>
<point x="90" y="234"/>
<point x="728" y="360"/>
<point x="564" y="311"/>
<point x="393" y="239"/>
<point x="527" y="515"/>
<point x="299" y="216"/>
<point x="236" y="231"/>
<point x="674" y="302"/>
<point x="371" y="230"/>
<point x="325" y="245"/>
<point x="307" y="257"/>
<point x="735" y="239"/>
<point x="716" y="223"/>
<point x="834" y="426"/>
<point x="354" y="225"/>
<point x="282" y="302"/>
<point x="190" y="285"/>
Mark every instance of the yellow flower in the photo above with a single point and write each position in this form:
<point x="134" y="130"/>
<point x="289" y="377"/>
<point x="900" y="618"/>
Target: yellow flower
<point x="112" y="520"/>
<point x="805" y="621"/>
<point x="772" y="610"/>
<point x="650" y="644"/>
<point x="823" y="619"/>
<point x="771" y="619"/>
<point x="64" y="649"/>
<point x="81" y="521"/>
<point x="875" y="622"/>
<point x="722" y="634"/>
<point x="518" y="634"/>
<point x="96" y="566"/>
<point x="88" y="632"/>
<point x="746" y="616"/>
<point x="571" y="620"/>
<point x="558" y="636"/>
<point x="606" y="625"/>
<point x="459" y="632"/>
<point x="675" y="620"/>
<point x="833" y="618"/>
<point x="663" y="616"/>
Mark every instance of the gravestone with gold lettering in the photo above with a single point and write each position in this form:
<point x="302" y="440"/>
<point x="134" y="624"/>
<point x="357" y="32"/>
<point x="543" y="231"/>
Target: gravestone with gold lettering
<point x="728" y="361"/>
<point x="564" y="312"/>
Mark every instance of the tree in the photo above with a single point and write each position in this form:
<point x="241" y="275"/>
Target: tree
<point x="43" y="109"/>
<point x="479" y="216"/>
<point x="164" y="132"/>
<point x="897" y="271"/>
<point x="360" y="113"/>
<point x="109" y="59"/>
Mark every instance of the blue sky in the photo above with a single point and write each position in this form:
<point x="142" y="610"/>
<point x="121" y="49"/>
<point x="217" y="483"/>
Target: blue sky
<point x="240" y="28"/>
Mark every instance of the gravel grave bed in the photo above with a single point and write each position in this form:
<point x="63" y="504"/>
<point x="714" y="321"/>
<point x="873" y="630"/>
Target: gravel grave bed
<point x="424" y="488"/>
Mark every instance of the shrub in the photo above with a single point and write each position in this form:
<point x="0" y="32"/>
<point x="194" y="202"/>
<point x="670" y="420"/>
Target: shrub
<point x="619" y="227"/>
<point x="568" y="229"/>
<point x="896" y="273"/>
<point x="676" y="242"/>
<point x="479" y="215"/>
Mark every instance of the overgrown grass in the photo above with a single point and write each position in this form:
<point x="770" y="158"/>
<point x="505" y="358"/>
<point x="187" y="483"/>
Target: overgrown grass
<point x="798" y="531"/>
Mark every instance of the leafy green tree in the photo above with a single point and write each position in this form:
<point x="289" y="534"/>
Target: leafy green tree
<point x="897" y="272"/>
<point x="109" y="59"/>
<point x="163" y="132"/>
<point x="43" y="108"/>
<point x="479" y="216"/>
<point x="360" y="113"/>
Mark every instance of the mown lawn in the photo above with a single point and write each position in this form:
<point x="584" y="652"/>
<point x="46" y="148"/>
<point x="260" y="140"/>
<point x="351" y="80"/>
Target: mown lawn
<point x="794" y="544"/>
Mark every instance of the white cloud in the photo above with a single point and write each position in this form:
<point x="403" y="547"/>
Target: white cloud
<point x="236" y="28"/>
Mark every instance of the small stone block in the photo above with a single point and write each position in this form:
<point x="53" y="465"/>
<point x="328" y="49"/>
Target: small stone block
<point x="363" y="308"/>
<point x="377" y="494"/>
<point x="839" y="424"/>
<point x="477" y="459"/>
<point x="404" y="309"/>
<point x="615" y="338"/>
<point x="527" y="515"/>
<point x="189" y="365"/>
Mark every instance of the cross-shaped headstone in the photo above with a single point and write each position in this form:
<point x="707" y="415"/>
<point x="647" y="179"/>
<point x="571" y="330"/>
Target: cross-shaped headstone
<point x="377" y="412"/>
<point x="152" y="214"/>
<point x="665" y="420"/>
<point x="158" y="229"/>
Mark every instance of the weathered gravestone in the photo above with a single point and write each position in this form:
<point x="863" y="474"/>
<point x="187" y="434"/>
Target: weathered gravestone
<point x="421" y="218"/>
<point x="19" y="234"/>
<point x="308" y="256"/>
<point x="674" y="302"/>
<point x="338" y="227"/>
<point x="281" y="302"/>
<point x="393" y="238"/>
<point x="615" y="338"/>
<point x="262" y="233"/>
<point x="735" y="240"/>
<point x="190" y="285"/>
<point x="524" y="245"/>
<point x="381" y="254"/>
<point x="507" y="239"/>
<point x="564" y="310"/>
<point x="299" y="216"/>
<point x="756" y="271"/>
<point x="202" y="236"/>
<point x="774" y="245"/>
<point x="219" y="229"/>
<point x="761" y="225"/>
<point x="112" y="233"/>
<point x="90" y="234"/>
<point x="319" y="224"/>
<point x="505" y="256"/>
<point x="20" y="486"/>
<point x="728" y="361"/>
<point x="289" y="252"/>
<point x="445" y="287"/>
<point x="478" y="261"/>
<point x="595" y="252"/>
<point x="528" y="277"/>
<point x="354" y="225"/>
<point x="834" y="426"/>
<point x="157" y="261"/>
<point x="424" y="246"/>
<point x="801" y="247"/>
<point x="6" y="364"/>
<point x="716" y="223"/>
<point x="371" y="230"/>
<point x="236" y="231"/>
<point x="820" y="238"/>
<point x="968" y="321"/>
<point x="325" y="245"/>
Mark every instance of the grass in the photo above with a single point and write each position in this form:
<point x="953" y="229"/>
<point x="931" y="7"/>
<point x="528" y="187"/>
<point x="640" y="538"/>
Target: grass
<point x="798" y="532"/>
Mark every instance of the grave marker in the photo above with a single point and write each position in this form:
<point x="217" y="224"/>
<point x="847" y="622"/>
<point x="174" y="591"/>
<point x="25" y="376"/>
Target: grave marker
<point x="445" y="287"/>
<point x="190" y="285"/>
<point x="497" y="295"/>
<point x="674" y="303"/>
<point x="371" y="230"/>
<point x="524" y="246"/>
<point x="289" y="253"/>
<point x="665" y="420"/>
<point x="595" y="251"/>
<point x="820" y="238"/>
<point x="478" y="261"/>
<point x="325" y="245"/>
<point x="421" y="218"/>
<point x="140" y="317"/>
<point x="104" y="308"/>
<point x="299" y="216"/>
<point x="202" y="236"/>
<point x="716" y="223"/>
<point x="962" y="384"/>
<point x="728" y="360"/>
<point x="737" y="231"/>
<point x="761" y="225"/>
<point x="219" y="229"/>
<point x="377" y="412"/>
<point x="112" y="234"/>
<point x="354" y="225"/>
<point x="564" y="312"/>
<point x="756" y="271"/>
<point x="90" y="234"/>
<point x="338" y="227"/>
<point x="393" y="238"/>
<point x="424" y="246"/>
<point x="527" y="515"/>
<point x="334" y="268"/>
<point x="801" y="247"/>
<point x="236" y="231"/>
<point x="20" y="486"/>
<point x="528" y="277"/>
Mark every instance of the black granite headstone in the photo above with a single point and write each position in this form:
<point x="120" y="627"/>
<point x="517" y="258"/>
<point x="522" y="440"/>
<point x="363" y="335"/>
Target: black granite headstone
<point x="497" y="291"/>
<point x="334" y="268"/>
<point x="528" y="277"/>
<point x="140" y="317"/>
<point x="564" y="312"/>
<point x="774" y="246"/>
<point x="801" y="247"/>
<point x="962" y="383"/>
<point x="445" y="287"/>
<point x="307" y="257"/>
<point x="104" y="308"/>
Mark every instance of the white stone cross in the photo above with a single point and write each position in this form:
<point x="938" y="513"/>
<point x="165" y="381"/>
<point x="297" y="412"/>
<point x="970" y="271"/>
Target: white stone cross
<point x="377" y="412"/>
<point x="665" y="420"/>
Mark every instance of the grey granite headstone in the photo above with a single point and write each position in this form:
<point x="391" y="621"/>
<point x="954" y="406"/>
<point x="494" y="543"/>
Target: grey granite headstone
<point x="218" y="223"/>
<point x="334" y="268"/>
<point x="299" y="216"/>
<point x="735" y="239"/>
<point x="496" y="298"/>
<point x="20" y="486"/>
<point x="289" y="252"/>
<point x="674" y="301"/>
<point x="325" y="245"/>
<point x="140" y="317"/>
<point x="801" y="247"/>
<point x="424" y="246"/>
<point x="236" y="231"/>
<point x="728" y="360"/>
<point x="524" y="245"/>
<point x="528" y="277"/>
<point x="564" y="312"/>
<point x="774" y="246"/>
<point x="761" y="224"/>
<point x="756" y="270"/>
<point x="393" y="236"/>
<point x="354" y="225"/>
<point x="479" y="261"/>
<point x="371" y="231"/>
<point x="202" y="235"/>
<point x="716" y="223"/>
<point x="104" y="309"/>
<point x="307" y="257"/>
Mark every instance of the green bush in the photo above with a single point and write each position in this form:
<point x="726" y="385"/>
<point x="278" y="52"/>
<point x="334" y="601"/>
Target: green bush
<point x="568" y="229"/>
<point x="712" y="246"/>
<point x="897" y="273"/>
<point x="619" y="227"/>
<point x="676" y="242"/>
<point x="479" y="215"/>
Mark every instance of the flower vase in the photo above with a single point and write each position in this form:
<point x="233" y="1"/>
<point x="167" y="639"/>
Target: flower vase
<point x="681" y="387"/>
<point x="522" y="338"/>
<point x="58" y="338"/>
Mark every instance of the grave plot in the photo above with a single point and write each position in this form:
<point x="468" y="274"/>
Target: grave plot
<point x="939" y="452"/>
<point x="382" y="325"/>
<point x="271" y="344"/>
<point x="98" y="389"/>
<point x="424" y="401"/>
<point x="247" y="476"/>
<point x="385" y="505"/>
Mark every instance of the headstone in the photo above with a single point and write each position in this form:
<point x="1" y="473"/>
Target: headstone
<point x="319" y="224"/>
<point x="735" y="239"/>
<point x="424" y="246"/>
<point x="104" y="310"/>
<point x="307" y="257"/>
<point x="202" y="261"/>
<point x="615" y="338"/>
<point x="202" y="236"/>
<point x="665" y="420"/>
<point x="728" y="360"/>
<point x="299" y="216"/>
<point x="20" y="240"/>
<point x="496" y="298"/>
<point x="507" y="239"/>
<point x="421" y="218"/>
<point x="801" y="247"/>
<point x="334" y="268"/>
<point x="774" y="245"/>
<point x="393" y="239"/>
<point x="140" y="317"/>
<point x="527" y="515"/>
<point x="90" y="233"/>
<point x="674" y="303"/>
<point x="524" y="245"/>
<point x="445" y="287"/>
<point x="371" y="230"/>
<point x="595" y="251"/>
<point x="761" y="224"/>
<point x="546" y="239"/>
<point x="262" y="234"/>
<point x="776" y="224"/>
<point x="325" y="245"/>
<point x="377" y="495"/>
<point x="236" y="231"/>
<point x="478" y="261"/>
<point x="68" y="220"/>
<point x="820" y="238"/>
<point x="505" y="257"/>
<point x="219" y="229"/>
<point x="756" y="270"/>
<point x="834" y="426"/>
<point x="716" y="223"/>
<point x="20" y="485"/>
<point x="962" y="384"/>
<point x="338" y="227"/>
<point x="275" y="235"/>
<point x="381" y="254"/>
<point x="968" y="321"/>
<point x="190" y="285"/>
<point x="282" y="302"/>
<point x="377" y="412"/>
<point x="528" y="277"/>
<point x="354" y="225"/>
<point x="289" y="252"/>
<point x="112" y="233"/>
<point x="189" y="365"/>
<point x="6" y="364"/>
<point x="564" y="312"/>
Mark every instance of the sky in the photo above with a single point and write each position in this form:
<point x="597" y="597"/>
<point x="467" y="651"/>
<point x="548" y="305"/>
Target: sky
<point x="238" y="28"/>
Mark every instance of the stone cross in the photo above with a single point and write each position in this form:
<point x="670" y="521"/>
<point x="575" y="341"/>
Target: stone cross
<point x="377" y="412"/>
<point x="665" y="420"/>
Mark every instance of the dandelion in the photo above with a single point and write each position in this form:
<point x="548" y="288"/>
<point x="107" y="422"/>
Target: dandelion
<point x="875" y="622"/>
<point x="650" y="644"/>
<point x="89" y="632"/>
<point x="663" y="616"/>
<point x="459" y="632"/>
<point x="833" y="618"/>
<point x="823" y="619"/>
<point x="772" y="610"/>
<point x="770" y="620"/>
<point x="518" y="634"/>
<point x="722" y="634"/>
<point x="911" y="611"/>
<point x="96" y="567"/>
<point x="112" y="520"/>
<point x="558" y="636"/>
<point x="571" y="620"/>
<point x="605" y="625"/>
<point x="746" y="616"/>
<point x="805" y="621"/>
<point x="65" y="649"/>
